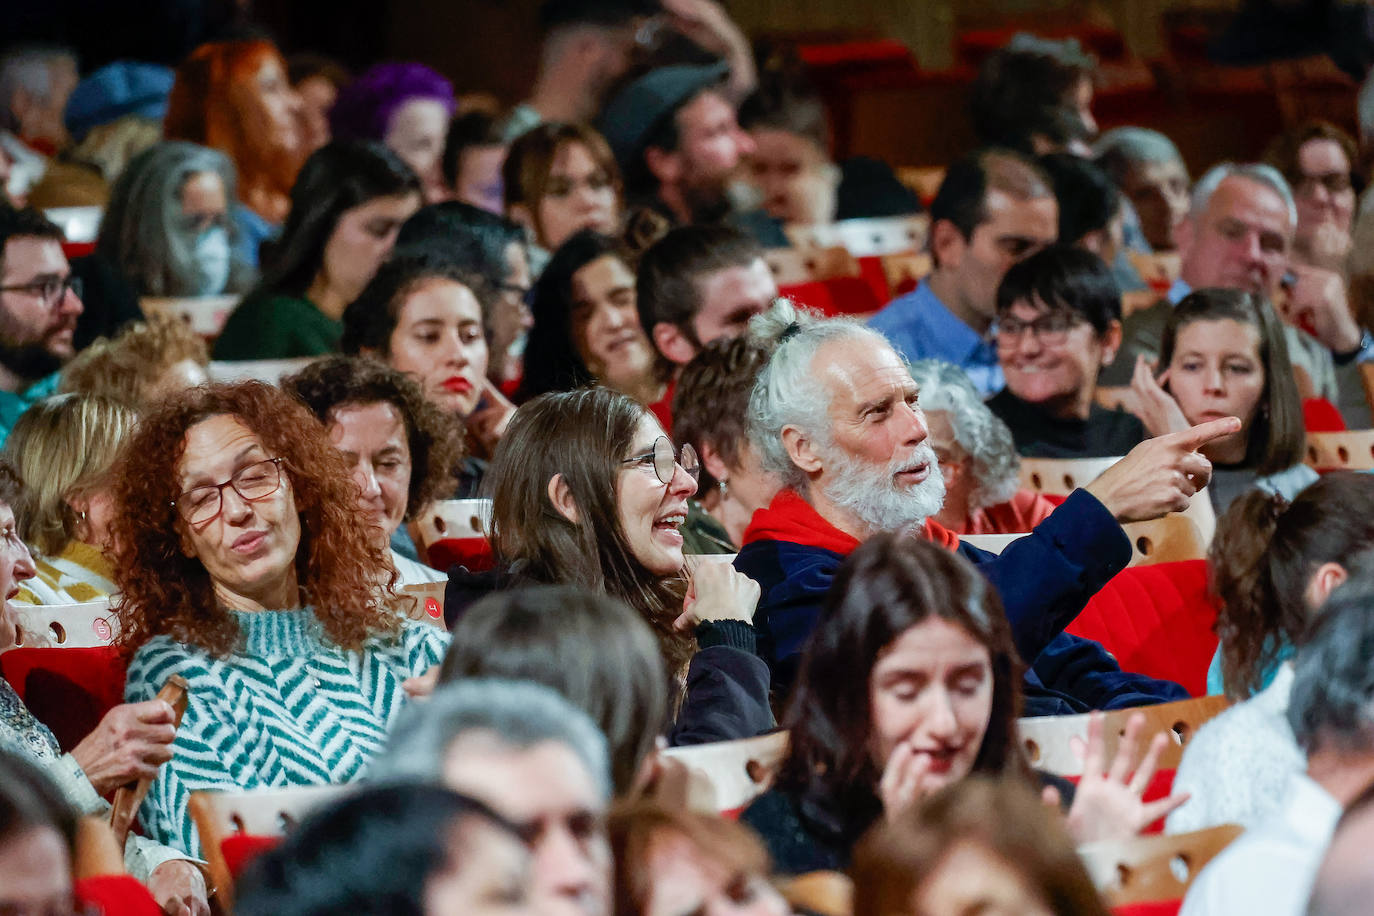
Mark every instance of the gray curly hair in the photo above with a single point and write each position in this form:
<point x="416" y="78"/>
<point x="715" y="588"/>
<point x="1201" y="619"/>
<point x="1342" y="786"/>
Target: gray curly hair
<point x="979" y="432"/>
<point x="785" y="393"/>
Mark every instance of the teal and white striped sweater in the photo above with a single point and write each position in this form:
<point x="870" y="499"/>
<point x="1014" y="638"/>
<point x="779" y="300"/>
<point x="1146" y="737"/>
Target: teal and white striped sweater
<point x="289" y="708"/>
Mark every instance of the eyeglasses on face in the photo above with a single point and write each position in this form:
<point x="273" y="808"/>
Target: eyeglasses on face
<point x="51" y="290"/>
<point x="202" y="505"/>
<point x="665" y="463"/>
<point x="1051" y="329"/>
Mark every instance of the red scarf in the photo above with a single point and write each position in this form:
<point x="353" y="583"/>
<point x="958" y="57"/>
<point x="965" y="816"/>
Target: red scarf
<point x="792" y="519"/>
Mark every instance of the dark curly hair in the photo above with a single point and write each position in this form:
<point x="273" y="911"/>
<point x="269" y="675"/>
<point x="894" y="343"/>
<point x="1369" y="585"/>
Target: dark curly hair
<point x="435" y="438"/>
<point x="711" y="400"/>
<point x="164" y="592"/>
<point x="369" y="320"/>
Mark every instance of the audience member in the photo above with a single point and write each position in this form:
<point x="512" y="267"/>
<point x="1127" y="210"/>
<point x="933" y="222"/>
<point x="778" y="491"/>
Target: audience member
<point x="64" y="448"/>
<point x="587" y="490"/>
<point x="1271" y="867"/>
<point x="710" y="413"/>
<point x="1035" y="96"/>
<point x="674" y="133"/>
<point x="407" y="106"/>
<point x="167" y="228"/>
<point x="1237" y="236"/>
<point x="531" y="634"/>
<point x="586" y="48"/>
<point x="40" y="302"/>
<point x="400" y="448"/>
<point x="1342" y="886"/>
<point x="586" y="327"/>
<point x="1224" y="354"/>
<point x="233" y="96"/>
<point x="403" y="849"/>
<point x="909" y="684"/>
<point x="473" y="156"/>
<point x="1091" y="213"/>
<point x="242" y="568"/>
<point x="834" y="413"/>
<point x="698" y="284"/>
<point x="534" y="758"/>
<point x="426" y="316"/>
<point x="560" y="179"/>
<point x="977" y="456"/>
<point x="1318" y="160"/>
<point x="317" y="80"/>
<point x="993" y="209"/>
<point x="35" y="84"/>
<point x="129" y="743"/>
<point x="1273" y="565"/>
<point x="496" y="249"/>
<point x="1149" y="170"/>
<point x="346" y="208"/>
<point x="669" y="860"/>
<point x="1068" y="301"/>
<point x="981" y="844"/>
<point x="148" y="360"/>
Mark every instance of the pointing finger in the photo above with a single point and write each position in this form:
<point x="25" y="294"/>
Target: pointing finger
<point x="1200" y="435"/>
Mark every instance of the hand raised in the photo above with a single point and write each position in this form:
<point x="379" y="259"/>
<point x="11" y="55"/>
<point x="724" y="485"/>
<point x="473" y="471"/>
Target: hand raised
<point x="1319" y="305"/>
<point x="1155" y="407"/>
<point x="900" y="786"/>
<point x="718" y="591"/>
<point x="1109" y="803"/>
<point x="130" y="743"/>
<point x="1160" y="475"/>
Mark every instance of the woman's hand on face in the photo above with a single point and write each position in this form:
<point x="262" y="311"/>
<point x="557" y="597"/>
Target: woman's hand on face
<point x="489" y="424"/>
<point x="900" y="787"/>
<point x="718" y="591"/>
<point x="130" y="743"/>
<point x="1109" y="803"/>
<point x="1155" y="407"/>
<point x="421" y="686"/>
<point x="178" y="886"/>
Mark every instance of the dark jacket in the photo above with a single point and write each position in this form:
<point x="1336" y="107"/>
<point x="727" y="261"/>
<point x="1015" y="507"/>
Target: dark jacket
<point x="727" y="685"/>
<point x="1044" y="580"/>
<point x="1040" y="434"/>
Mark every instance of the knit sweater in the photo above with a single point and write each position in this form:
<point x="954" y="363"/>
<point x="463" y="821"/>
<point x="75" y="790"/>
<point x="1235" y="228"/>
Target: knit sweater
<point x="287" y="708"/>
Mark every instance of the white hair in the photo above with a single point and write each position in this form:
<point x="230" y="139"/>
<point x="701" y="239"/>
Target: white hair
<point x="28" y="68"/>
<point x="1126" y="147"/>
<point x="977" y="430"/>
<point x="786" y="392"/>
<point x="1253" y="171"/>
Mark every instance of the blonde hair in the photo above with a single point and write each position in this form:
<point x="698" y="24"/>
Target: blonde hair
<point x="127" y="367"/>
<point x="64" y="446"/>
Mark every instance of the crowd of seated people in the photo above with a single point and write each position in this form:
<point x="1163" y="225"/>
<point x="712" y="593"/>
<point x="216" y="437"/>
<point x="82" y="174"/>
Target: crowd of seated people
<point x="698" y="517"/>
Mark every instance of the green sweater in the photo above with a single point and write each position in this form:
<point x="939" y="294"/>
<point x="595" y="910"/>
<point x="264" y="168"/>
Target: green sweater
<point x="277" y="327"/>
<point x="288" y="708"/>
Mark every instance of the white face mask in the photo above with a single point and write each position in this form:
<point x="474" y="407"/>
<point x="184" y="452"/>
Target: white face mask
<point x="212" y="256"/>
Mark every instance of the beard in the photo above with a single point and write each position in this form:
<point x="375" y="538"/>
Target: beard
<point x="30" y="361"/>
<point x="870" y="492"/>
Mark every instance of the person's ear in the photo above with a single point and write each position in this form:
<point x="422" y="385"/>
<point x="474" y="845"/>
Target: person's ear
<point x="801" y="449"/>
<point x="560" y="494"/>
<point x="79" y="505"/>
<point x="664" y="165"/>
<point x="1327" y="578"/>
<point x="1111" y="342"/>
<point x="713" y="463"/>
<point x="673" y="343"/>
<point x="947" y="244"/>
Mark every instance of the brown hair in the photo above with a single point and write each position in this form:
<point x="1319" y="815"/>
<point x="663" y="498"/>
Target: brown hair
<point x="434" y="437"/>
<point x="711" y="400"/>
<point x="164" y="592"/>
<point x="582" y="435"/>
<point x="634" y="827"/>
<point x="1263" y="557"/>
<point x="129" y="365"/>
<point x="531" y="158"/>
<point x="1283" y="152"/>
<point x="893" y="863"/>
<point x="1277" y="436"/>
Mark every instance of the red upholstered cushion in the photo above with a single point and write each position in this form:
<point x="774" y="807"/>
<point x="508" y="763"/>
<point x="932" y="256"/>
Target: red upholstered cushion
<point x="474" y="553"/>
<point x="1156" y="620"/>
<point x="1321" y="416"/>
<point x="68" y="690"/>
<point x="116" y="895"/>
<point x="1153" y="908"/>
<point x="241" y="848"/>
<point x="836" y="296"/>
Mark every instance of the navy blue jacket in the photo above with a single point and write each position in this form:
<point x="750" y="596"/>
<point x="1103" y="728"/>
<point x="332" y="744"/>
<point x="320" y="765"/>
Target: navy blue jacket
<point x="1044" y="579"/>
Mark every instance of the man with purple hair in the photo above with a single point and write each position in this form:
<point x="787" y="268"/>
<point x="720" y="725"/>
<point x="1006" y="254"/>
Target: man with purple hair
<point x="407" y="106"/>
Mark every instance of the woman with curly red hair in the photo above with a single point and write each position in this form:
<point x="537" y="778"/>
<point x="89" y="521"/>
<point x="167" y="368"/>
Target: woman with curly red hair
<point x="243" y="568"/>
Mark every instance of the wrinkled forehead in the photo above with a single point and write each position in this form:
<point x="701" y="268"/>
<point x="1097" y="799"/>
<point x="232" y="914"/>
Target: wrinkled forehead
<point x="855" y="370"/>
<point x="1249" y="201"/>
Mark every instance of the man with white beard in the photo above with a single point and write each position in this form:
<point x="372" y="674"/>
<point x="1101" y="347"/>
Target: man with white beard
<point x="835" y="413"/>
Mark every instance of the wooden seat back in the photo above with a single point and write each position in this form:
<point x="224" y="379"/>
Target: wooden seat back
<point x="726" y="776"/>
<point x="85" y="625"/>
<point x="206" y="315"/>
<point x="1153" y="867"/>
<point x="1349" y="450"/>
<point x="863" y="237"/>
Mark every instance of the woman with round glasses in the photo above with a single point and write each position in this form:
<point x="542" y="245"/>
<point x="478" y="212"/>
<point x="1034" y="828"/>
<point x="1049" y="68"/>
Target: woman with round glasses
<point x="587" y="490"/>
<point x="1058" y="324"/>
<point x="243" y="568"/>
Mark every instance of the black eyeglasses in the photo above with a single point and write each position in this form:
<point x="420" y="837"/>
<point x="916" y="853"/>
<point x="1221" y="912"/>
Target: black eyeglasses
<point x="665" y="463"/>
<point x="1051" y="329"/>
<point x="50" y="290"/>
<point x="202" y="505"/>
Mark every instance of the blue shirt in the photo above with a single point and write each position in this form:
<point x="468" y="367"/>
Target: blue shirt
<point x="13" y="404"/>
<point x="919" y="326"/>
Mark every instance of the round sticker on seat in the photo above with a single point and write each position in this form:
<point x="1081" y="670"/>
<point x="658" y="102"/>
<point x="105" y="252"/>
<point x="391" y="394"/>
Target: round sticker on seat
<point x="102" y="629"/>
<point x="432" y="608"/>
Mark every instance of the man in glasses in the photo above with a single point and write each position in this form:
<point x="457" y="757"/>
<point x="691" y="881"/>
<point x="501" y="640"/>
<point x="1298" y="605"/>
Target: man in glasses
<point x="39" y="304"/>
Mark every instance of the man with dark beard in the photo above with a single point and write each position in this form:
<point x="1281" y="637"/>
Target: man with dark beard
<point x="39" y="305"/>
<point x="835" y="413"/>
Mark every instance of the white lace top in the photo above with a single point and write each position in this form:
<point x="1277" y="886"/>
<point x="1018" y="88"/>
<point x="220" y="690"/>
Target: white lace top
<point x="1237" y="765"/>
